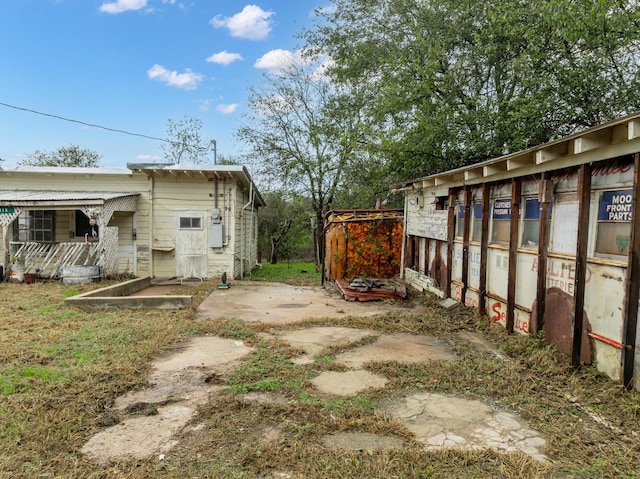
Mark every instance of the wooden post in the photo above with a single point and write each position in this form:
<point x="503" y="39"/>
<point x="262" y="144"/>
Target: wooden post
<point x="632" y="294"/>
<point x="516" y="194"/>
<point x="451" y="232"/>
<point x="584" y="207"/>
<point x="484" y="247"/>
<point x="545" y="197"/>
<point x="465" y="243"/>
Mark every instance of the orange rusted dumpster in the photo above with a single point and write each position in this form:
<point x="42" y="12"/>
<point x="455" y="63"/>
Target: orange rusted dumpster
<point x="362" y="243"/>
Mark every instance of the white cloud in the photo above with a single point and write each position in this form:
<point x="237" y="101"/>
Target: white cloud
<point x="224" y="57"/>
<point x="277" y="61"/>
<point x="186" y="81"/>
<point x="227" y="109"/>
<point x="252" y="23"/>
<point x="120" y="6"/>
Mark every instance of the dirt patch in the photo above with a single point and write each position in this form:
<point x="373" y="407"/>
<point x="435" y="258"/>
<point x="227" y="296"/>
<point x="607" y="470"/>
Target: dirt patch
<point x="180" y="381"/>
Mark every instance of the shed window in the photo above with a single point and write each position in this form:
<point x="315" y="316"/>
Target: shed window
<point x="614" y="223"/>
<point x="36" y="225"/>
<point x="190" y="223"/>
<point x="476" y="222"/>
<point x="531" y="223"/>
<point x="459" y="221"/>
<point x="501" y="216"/>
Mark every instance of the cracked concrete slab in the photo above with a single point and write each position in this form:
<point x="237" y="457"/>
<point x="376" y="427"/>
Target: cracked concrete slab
<point x="440" y="421"/>
<point x="281" y="303"/>
<point x="401" y="347"/>
<point x="313" y="340"/>
<point x="347" y="383"/>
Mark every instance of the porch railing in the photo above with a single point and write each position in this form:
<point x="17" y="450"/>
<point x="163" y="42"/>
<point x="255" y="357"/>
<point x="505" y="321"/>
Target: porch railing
<point x="48" y="259"/>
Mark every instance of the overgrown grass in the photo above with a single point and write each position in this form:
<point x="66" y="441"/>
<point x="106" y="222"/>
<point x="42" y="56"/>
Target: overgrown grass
<point x="61" y="369"/>
<point x="298" y="274"/>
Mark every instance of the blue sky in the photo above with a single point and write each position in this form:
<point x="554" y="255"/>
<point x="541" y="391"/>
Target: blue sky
<point x="132" y="65"/>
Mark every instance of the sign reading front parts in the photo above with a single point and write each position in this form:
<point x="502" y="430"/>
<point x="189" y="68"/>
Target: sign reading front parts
<point x="615" y="206"/>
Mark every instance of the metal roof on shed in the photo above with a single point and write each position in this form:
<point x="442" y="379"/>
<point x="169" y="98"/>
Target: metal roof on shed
<point x="28" y="197"/>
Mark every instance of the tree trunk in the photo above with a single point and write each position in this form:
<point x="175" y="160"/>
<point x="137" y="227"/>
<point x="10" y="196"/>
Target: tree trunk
<point x="276" y="240"/>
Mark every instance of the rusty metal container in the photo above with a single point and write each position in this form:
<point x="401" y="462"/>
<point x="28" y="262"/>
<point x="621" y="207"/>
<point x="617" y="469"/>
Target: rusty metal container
<point x="363" y="243"/>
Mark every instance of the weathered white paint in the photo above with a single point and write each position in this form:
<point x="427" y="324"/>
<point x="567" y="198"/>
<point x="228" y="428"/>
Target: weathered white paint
<point x="162" y="190"/>
<point x="606" y="272"/>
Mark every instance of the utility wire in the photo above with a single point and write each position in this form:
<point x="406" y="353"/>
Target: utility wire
<point x="58" y="117"/>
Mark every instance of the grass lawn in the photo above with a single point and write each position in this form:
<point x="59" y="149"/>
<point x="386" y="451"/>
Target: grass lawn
<point x="299" y="274"/>
<point x="62" y="367"/>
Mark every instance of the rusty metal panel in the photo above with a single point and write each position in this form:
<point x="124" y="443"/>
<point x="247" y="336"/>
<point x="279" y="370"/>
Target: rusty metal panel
<point x="363" y="243"/>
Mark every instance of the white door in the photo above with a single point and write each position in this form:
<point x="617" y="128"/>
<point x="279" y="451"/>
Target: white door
<point x="191" y="244"/>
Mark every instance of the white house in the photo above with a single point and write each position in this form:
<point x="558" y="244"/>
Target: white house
<point x="159" y="220"/>
<point x="541" y="240"/>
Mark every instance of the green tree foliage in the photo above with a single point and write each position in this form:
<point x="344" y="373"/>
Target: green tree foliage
<point x="276" y="241"/>
<point x="460" y="81"/>
<point x="185" y="143"/>
<point x="301" y="134"/>
<point x="69" y="156"/>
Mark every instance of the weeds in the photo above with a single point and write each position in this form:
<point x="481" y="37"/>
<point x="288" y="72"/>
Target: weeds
<point x="61" y="369"/>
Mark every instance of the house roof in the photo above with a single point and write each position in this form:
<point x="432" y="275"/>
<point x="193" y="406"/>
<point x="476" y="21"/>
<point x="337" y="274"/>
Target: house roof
<point x="69" y="198"/>
<point x="610" y="140"/>
<point x="210" y="172"/>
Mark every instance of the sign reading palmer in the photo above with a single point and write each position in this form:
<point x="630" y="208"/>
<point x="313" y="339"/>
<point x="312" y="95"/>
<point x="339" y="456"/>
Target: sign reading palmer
<point x="427" y="222"/>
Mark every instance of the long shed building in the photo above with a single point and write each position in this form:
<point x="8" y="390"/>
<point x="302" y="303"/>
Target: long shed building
<point x="544" y="239"/>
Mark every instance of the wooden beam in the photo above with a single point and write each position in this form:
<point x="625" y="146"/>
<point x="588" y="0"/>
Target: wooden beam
<point x="546" y="194"/>
<point x="465" y="243"/>
<point x="484" y="248"/>
<point x="451" y="232"/>
<point x="495" y="168"/>
<point x="579" y="285"/>
<point x="632" y="294"/>
<point x="592" y="141"/>
<point x="473" y="174"/>
<point x="516" y="196"/>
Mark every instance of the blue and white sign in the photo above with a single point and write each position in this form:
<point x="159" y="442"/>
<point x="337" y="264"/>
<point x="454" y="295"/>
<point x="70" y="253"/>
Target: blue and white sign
<point x="502" y="209"/>
<point x="615" y="206"/>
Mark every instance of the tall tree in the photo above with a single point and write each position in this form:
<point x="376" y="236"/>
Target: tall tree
<point x="301" y="131"/>
<point x="459" y="81"/>
<point x="70" y="156"/>
<point x="185" y="142"/>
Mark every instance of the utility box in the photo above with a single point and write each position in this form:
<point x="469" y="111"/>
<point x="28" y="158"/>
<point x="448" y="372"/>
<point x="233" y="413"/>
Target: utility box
<point x="216" y="236"/>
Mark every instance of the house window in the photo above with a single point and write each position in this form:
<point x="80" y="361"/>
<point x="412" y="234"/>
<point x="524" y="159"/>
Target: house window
<point x="190" y="223"/>
<point x="36" y="225"/>
<point x="476" y="220"/>
<point x="501" y="216"/>
<point x="614" y="223"/>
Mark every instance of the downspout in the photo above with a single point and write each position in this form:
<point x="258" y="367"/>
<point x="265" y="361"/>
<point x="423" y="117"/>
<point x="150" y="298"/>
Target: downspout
<point x="243" y="232"/>
<point x="134" y="237"/>
<point x="151" y="215"/>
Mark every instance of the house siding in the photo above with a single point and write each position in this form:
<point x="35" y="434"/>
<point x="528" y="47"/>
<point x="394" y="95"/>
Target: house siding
<point x="162" y="196"/>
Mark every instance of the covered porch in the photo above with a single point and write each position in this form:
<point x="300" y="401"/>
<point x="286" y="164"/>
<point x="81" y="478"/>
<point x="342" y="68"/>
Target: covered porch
<point x="48" y="231"/>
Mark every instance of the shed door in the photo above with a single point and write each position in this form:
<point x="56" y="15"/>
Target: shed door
<point x="191" y="244"/>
